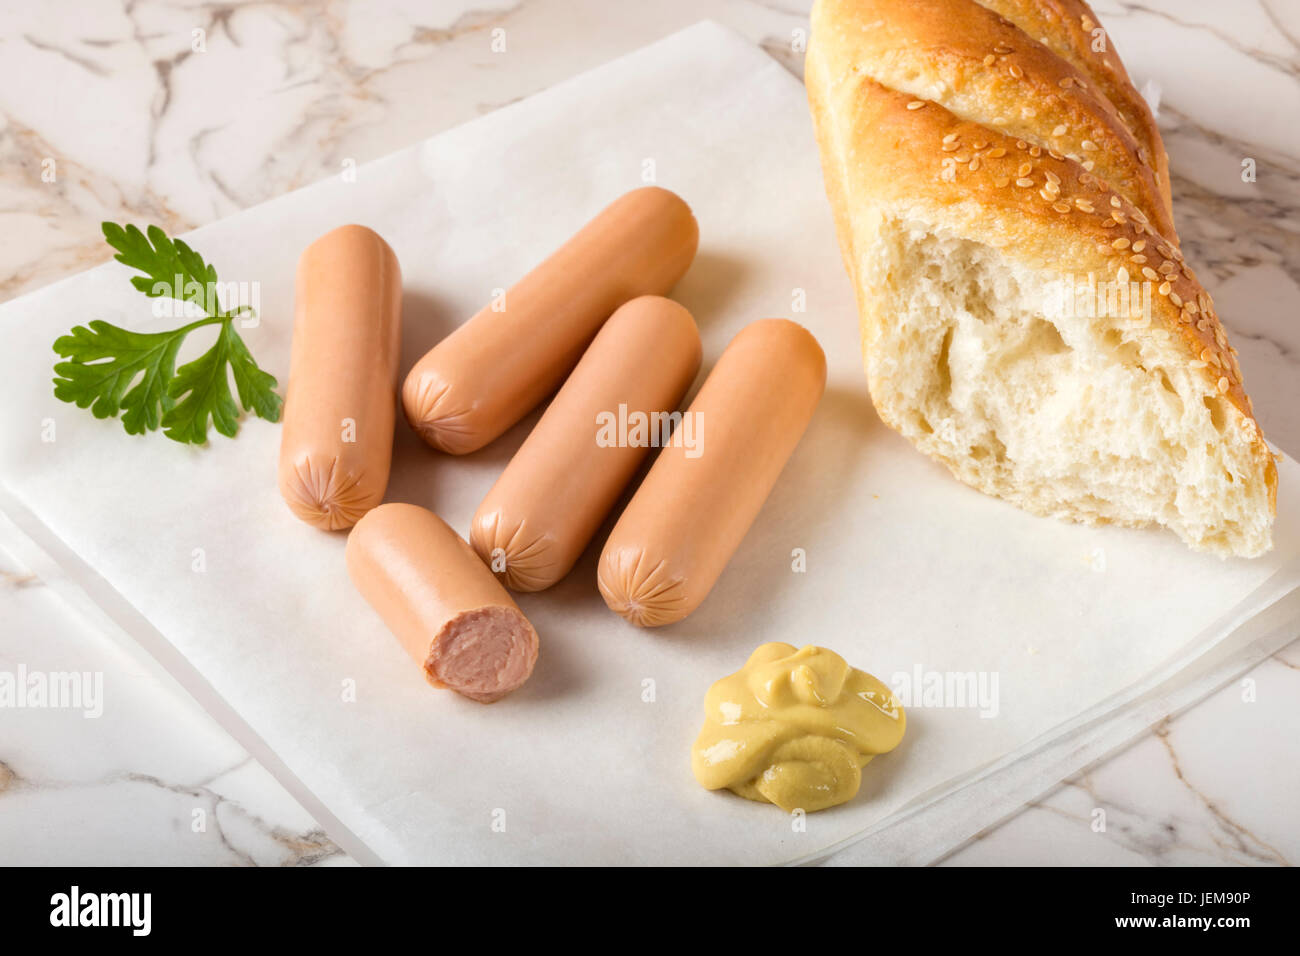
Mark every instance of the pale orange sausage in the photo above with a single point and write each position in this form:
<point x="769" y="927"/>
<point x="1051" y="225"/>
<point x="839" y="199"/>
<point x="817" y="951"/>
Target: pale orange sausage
<point x="619" y="402"/>
<point x="336" y="444"/>
<point x="437" y="597"/>
<point x="497" y="367"/>
<point x="689" y="515"/>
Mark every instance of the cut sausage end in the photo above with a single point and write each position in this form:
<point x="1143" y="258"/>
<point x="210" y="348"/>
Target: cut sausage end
<point x="483" y="654"/>
<point x="642" y="594"/>
<point x="427" y="404"/>
<point x="325" y="495"/>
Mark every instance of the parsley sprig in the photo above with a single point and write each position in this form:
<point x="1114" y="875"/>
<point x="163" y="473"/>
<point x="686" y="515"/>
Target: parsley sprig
<point x="110" y="369"/>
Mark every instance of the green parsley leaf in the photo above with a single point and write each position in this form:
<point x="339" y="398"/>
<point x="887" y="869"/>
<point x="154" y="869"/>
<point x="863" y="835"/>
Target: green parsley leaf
<point x="110" y="369"/>
<point x="168" y="266"/>
<point x="119" y="357"/>
<point x="203" y="390"/>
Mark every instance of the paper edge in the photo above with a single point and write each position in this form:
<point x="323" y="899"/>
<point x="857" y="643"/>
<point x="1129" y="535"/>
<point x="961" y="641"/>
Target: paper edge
<point x="105" y="609"/>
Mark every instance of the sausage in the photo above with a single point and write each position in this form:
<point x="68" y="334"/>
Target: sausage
<point x="437" y="597"/>
<point x="498" y="366"/>
<point x="621" y="398"/>
<point x="337" y="441"/>
<point x="689" y="515"/>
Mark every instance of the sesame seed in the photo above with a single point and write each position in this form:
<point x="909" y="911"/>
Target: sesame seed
<point x="1121" y="276"/>
<point x="1052" y="177"/>
<point x="1192" y="307"/>
<point x="1114" y="201"/>
<point x="1047" y="194"/>
<point x="1002" y="49"/>
<point x="1143" y="157"/>
<point x="1084" y="205"/>
<point x="1139" y="245"/>
<point x="1088" y="144"/>
<point x="1223" y="385"/>
<point x="979" y="144"/>
<point x="1015" y="71"/>
<point x="1118" y="215"/>
<point x="1184" y="315"/>
<point x="915" y="104"/>
<point x="950" y="147"/>
<point x="1196" y="363"/>
<point x="1221" y="338"/>
<point x="1150" y="273"/>
<point x="1001" y="181"/>
<point x="1205" y="355"/>
<point x="1108" y="224"/>
<point x="1164" y="288"/>
<point x="990" y="60"/>
<point x="1064" y="82"/>
<point x="1060" y="130"/>
<point x="1054" y="154"/>
<point x="1021" y="144"/>
<point x="1140" y="216"/>
<point x="962" y="157"/>
<point x="1120" y="243"/>
<point x="1167" y="267"/>
<point x="951" y="137"/>
<point x="996" y="153"/>
<point x="1137" y="259"/>
<point x="1084" y="179"/>
<point x="1035" y="151"/>
<point x="1024" y="182"/>
<point x="975" y="164"/>
<point x="1061" y="207"/>
<point x="1088" y="164"/>
<point x="1025" y="169"/>
<point x="1176" y="299"/>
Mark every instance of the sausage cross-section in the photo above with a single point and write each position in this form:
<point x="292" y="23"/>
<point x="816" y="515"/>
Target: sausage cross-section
<point x="696" y="503"/>
<point x="337" y="440"/>
<point x="447" y="609"/>
<point x="498" y="366"/>
<point x="620" y="401"/>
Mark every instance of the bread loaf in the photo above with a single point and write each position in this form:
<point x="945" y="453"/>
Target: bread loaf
<point x="1001" y="196"/>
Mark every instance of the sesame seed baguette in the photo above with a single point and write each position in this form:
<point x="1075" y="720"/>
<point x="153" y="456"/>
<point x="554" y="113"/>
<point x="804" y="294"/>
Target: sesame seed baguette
<point x="1066" y="27"/>
<point x="1098" y="419"/>
<point x="985" y="69"/>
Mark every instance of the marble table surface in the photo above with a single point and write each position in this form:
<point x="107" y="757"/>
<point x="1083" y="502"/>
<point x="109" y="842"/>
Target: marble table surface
<point x="180" y="114"/>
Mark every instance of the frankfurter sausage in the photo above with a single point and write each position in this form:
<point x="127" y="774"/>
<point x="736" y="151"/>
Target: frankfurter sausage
<point x="336" y="445"/>
<point x="619" y="400"/>
<point x="689" y="515"/>
<point x="497" y="367"/>
<point x="441" y="602"/>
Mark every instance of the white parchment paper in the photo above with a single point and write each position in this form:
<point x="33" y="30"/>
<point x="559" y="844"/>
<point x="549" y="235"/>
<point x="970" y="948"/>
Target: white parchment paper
<point x="906" y="569"/>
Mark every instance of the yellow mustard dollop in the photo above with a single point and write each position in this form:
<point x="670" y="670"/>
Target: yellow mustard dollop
<point x="795" y="728"/>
